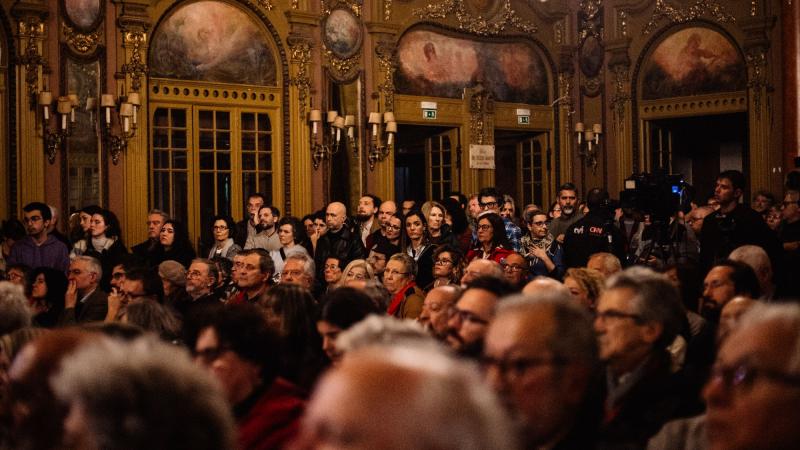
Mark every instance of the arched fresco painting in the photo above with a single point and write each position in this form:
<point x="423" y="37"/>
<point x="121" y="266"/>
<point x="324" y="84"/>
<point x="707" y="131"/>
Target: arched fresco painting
<point x="212" y="41"/>
<point x="438" y="65"/>
<point x="693" y="61"/>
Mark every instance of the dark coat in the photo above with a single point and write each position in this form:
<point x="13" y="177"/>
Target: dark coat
<point x="93" y="309"/>
<point x="344" y="245"/>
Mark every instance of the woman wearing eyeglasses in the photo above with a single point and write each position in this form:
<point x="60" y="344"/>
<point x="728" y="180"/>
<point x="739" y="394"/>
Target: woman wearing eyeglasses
<point x="224" y="232"/>
<point x="492" y="240"/>
<point x="544" y="254"/>
<point x="407" y="298"/>
<point x="356" y="274"/>
<point x="448" y="265"/>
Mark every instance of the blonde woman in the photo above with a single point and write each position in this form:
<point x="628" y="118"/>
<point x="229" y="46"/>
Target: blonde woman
<point x="356" y="274"/>
<point x="585" y="285"/>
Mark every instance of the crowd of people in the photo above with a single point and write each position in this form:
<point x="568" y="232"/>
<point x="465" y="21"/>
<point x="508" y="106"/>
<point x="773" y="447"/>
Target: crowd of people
<point x="455" y="323"/>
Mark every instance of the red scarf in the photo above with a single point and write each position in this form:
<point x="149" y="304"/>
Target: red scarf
<point x="398" y="298"/>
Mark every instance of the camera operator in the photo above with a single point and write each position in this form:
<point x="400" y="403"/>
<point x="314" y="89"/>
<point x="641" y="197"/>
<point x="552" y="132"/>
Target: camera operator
<point x="594" y="233"/>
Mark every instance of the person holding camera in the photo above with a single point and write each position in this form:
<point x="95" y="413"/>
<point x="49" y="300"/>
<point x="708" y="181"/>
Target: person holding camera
<point x="594" y="233"/>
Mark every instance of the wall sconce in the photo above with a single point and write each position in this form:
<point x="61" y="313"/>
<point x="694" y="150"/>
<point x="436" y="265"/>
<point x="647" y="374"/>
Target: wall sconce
<point x="65" y="117"/>
<point x="382" y="140"/>
<point x="326" y="137"/>
<point x="127" y="108"/>
<point x="588" y="143"/>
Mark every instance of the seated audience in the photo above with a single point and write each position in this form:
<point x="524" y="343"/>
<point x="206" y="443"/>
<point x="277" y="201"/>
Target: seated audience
<point x="84" y="301"/>
<point x="436" y="309"/>
<point x="585" y="285"/>
<point x="341" y="308"/>
<point x="407" y="297"/>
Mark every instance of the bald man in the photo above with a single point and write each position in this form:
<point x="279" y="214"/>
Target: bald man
<point x="340" y="242"/>
<point x="404" y="397"/>
<point x="479" y="268"/>
<point x="437" y="308"/>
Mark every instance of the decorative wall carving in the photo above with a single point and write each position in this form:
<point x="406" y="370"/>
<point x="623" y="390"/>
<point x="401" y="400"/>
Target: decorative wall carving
<point x="387" y="60"/>
<point x="756" y="59"/>
<point x="481" y="110"/>
<point x="31" y="31"/>
<point x="343" y="66"/>
<point x="80" y="42"/>
<point x="135" y="66"/>
<point x="300" y="54"/>
<point x="674" y="14"/>
<point x="477" y="24"/>
<point x="591" y="52"/>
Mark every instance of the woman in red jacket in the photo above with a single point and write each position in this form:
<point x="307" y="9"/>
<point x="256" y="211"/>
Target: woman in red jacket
<point x="492" y="240"/>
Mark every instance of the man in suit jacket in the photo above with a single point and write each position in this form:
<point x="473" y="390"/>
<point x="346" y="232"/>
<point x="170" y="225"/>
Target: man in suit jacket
<point x="84" y="300"/>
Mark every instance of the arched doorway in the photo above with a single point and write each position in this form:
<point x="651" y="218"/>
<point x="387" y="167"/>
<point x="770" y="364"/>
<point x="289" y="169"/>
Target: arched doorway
<point x="216" y="114"/>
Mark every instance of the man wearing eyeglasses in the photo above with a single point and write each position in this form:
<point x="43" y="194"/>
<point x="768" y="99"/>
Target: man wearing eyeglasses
<point x="201" y="278"/>
<point x="472" y="314"/>
<point x="541" y="359"/>
<point x="638" y="317"/>
<point x="39" y="249"/>
<point x="490" y="199"/>
<point x="84" y="300"/>
<point x="515" y="270"/>
<point x="753" y="392"/>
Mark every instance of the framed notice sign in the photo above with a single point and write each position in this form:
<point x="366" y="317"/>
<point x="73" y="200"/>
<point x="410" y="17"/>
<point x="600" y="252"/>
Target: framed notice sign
<point x="481" y="156"/>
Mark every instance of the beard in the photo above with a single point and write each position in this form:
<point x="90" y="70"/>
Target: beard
<point x="264" y="227"/>
<point x="567" y="210"/>
<point x="363" y="217"/>
<point x="710" y="311"/>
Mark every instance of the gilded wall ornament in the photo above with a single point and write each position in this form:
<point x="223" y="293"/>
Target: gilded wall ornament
<point x="342" y="37"/>
<point x="387" y="60"/>
<point x="300" y="54"/>
<point x="31" y="29"/>
<point x="387" y="10"/>
<point x="476" y="24"/>
<point x="81" y="42"/>
<point x="481" y="109"/>
<point x="136" y="41"/>
<point x="664" y="10"/>
<point x="756" y="59"/>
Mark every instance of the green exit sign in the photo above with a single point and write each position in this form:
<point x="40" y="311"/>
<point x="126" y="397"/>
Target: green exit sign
<point x="523" y="120"/>
<point x="429" y="114"/>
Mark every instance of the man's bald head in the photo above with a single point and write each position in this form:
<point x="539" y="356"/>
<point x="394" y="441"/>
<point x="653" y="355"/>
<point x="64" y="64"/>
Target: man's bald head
<point x="424" y="399"/>
<point x="481" y="267"/>
<point x="335" y="215"/>
<point x="544" y="284"/>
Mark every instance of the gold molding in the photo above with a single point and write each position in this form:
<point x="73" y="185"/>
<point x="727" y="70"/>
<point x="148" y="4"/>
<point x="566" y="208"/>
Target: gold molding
<point x="481" y="112"/>
<point x="300" y="55"/>
<point x="136" y="42"/>
<point x="31" y="31"/>
<point x="756" y="59"/>
<point x="476" y="24"/>
<point x="387" y="55"/>
<point x="718" y="103"/>
<point x="80" y="42"/>
<point x="664" y="10"/>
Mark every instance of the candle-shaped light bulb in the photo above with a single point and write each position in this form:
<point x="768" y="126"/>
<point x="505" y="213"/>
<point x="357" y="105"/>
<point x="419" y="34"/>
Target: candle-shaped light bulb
<point x="579" y="131"/>
<point x="126" y="125"/>
<point x="374" y="120"/>
<point x="107" y="102"/>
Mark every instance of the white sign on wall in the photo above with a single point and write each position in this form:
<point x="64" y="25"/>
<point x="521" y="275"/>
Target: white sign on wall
<point x="481" y="156"/>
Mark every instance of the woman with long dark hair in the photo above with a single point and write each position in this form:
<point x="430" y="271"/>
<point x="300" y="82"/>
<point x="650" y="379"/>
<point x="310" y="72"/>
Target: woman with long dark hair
<point x="416" y="243"/>
<point x="290" y="310"/>
<point x="492" y="241"/>
<point x="174" y="244"/>
<point x="103" y="242"/>
<point x="48" y="287"/>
